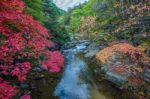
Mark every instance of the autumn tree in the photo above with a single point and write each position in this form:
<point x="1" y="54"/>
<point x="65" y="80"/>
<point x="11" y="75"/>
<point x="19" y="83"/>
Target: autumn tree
<point x="22" y="40"/>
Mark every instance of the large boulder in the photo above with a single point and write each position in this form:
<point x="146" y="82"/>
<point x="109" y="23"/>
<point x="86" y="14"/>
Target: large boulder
<point x="124" y="64"/>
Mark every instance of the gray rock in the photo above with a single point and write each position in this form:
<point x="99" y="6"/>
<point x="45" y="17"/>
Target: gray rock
<point x="91" y="53"/>
<point x="92" y="49"/>
<point x="104" y="69"/>
<point x="115" y="78"/>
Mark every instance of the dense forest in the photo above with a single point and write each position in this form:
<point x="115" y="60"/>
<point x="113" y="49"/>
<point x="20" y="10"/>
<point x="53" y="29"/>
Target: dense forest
<point x="103" y="20"/>
<point x="99" y="48"/>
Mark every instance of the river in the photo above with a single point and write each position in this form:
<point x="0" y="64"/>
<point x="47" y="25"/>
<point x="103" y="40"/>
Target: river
<point x="78" y="80"/>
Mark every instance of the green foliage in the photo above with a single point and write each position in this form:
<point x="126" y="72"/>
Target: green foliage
<point x="35" y="8"/>
<point x="48" y="14"/>
<point x="88" y="8"/>
<point x="101" y="9"/>
<point x="77" y="12"/>
<point x="51" y="9"/>
<point x="57" y="29"/>
<point x="114" y="19"/>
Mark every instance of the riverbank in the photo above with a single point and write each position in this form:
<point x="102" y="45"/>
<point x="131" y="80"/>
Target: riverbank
<point x="102" y="87"/>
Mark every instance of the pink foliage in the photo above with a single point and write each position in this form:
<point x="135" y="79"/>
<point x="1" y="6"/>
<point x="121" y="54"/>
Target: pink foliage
<point x="20" y="32"/>
<point x="21" y="39"/>
<point x="21" y="70"/>
<point x="54" y="61"/>
<point x="6" y="90"/>
<point x="25" y="97"/>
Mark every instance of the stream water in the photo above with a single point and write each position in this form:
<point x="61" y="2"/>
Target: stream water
<point x="73" y="84"/>
<point x="78" y="80"/>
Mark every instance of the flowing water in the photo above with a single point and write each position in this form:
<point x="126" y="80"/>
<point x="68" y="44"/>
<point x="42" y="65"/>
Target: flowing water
<point x="75" y="83"/>
<point x="78" y="81"/>
<point x="72" y="84"/>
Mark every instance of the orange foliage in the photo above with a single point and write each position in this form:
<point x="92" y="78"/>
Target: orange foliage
<point x="115" y="57"/>
<point x="135" y="80"/>
<point x="123" y="48"/>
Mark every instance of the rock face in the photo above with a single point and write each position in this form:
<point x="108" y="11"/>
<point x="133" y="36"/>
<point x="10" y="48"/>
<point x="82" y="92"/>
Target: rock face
<point x="124" y="65"/>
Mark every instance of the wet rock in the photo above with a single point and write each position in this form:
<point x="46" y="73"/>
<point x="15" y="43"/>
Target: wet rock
<point x="115" y="78"/>
<point x="82" y="45"/>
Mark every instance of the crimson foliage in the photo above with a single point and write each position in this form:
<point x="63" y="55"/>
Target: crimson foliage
<point x="6" y="90"/>
<point x="21" y="40"/>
